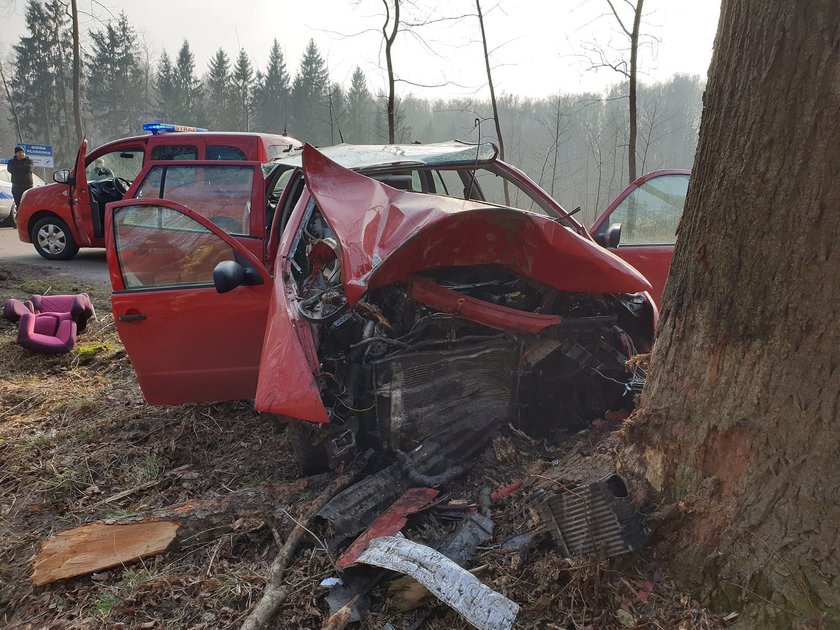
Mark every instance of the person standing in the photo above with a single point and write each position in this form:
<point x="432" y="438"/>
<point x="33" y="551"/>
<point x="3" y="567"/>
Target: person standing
<point x="20" y="168"/>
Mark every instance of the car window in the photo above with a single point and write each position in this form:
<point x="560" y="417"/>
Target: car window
<point x="220" y="193"/>
<point x="150" y="186"/>
<point x="158" y="248"/>
<point x="649" y="215"/>
<point x="449" y="184"/>
<point x="175" y="152"/>
<point x="125" y="163"/>
<point x="223" y="152"/>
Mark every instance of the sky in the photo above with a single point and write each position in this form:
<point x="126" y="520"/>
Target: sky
<point x="538" y="47"/>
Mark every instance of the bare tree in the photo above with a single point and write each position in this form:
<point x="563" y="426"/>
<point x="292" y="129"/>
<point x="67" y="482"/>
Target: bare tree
<point x="492" y="93"/>
<point x="11" y="103"/>
<point x="629" y="73"/>
<point x="389" y="33"/>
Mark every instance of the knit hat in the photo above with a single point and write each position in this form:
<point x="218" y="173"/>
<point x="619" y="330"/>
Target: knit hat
<point x="18" y="148"/>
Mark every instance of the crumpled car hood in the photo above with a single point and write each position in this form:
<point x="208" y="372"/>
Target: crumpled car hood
<point x="387" y="234"/>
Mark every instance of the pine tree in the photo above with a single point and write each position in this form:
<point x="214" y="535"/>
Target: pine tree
<point x="310" y="106"/>
<point x="243" y="85"/>
<point x="187" y="88"/>
<point x="115" y="81"/>
<point x="165" y="85"/>
<point x="219" y="91"/>
<point x="41" y="87"/>
<point x="359" y="107"/>
<point x="271" y="93"/>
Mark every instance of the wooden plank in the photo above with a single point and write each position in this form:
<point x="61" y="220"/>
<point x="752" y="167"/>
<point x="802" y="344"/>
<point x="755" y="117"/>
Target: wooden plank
<point x="99" y="546"/>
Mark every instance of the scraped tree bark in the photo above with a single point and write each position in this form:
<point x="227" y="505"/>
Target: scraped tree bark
<point x="738" y="426"/>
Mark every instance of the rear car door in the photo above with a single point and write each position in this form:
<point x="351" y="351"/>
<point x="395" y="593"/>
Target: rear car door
<point x="642" y="223"/>
<point x="187" y="342"/>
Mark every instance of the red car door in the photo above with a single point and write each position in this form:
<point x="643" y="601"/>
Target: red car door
<point x="640" y="225"/>
<point x="187" y="342"/>
<point x="80" y="198"/>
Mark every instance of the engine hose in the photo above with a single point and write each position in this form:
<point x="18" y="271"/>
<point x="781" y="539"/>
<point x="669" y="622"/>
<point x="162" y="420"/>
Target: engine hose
<point x="429" y="481"/>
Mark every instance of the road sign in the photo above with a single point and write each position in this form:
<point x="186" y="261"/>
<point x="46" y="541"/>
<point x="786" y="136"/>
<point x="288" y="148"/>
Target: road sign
<point x="40" y="154"/>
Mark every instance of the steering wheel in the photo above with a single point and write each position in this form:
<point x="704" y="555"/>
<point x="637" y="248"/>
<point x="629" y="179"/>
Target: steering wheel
<point x="122" y="185"/>
<point x="332" y="301"/>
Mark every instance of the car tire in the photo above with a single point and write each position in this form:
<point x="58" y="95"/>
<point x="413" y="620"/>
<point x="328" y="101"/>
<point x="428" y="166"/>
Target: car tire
<point x="53" y="240"/>
<point x="310" y="455"/>
<point x="9" y="221"/>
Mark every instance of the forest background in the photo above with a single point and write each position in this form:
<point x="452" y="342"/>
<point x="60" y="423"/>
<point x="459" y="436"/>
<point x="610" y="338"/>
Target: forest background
<point x="573" y="144"/>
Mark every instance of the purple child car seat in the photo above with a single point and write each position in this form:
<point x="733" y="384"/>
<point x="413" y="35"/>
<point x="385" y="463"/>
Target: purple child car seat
<point x="49" y="323"/>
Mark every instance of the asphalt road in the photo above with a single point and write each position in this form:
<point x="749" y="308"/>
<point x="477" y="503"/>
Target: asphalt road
<point x="88" y="266"/>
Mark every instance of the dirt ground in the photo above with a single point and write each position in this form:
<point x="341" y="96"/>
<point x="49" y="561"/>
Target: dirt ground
<point x="75" y="431"/>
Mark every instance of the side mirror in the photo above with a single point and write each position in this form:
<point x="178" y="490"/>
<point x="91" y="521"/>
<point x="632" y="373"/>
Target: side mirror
<point x="229" y="274"/>
<point x="62" y="176"/>
<point x="613" y="235"/>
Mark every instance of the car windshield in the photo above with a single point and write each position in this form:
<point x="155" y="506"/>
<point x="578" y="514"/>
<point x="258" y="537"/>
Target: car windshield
<point x="478" y="182"/>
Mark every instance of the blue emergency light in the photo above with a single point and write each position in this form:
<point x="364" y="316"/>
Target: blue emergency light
<point x="158" y="127"/>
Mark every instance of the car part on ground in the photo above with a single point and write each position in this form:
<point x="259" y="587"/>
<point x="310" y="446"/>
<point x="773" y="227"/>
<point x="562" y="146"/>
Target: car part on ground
<point x="478" y="604"/>
<point x="388" y="523"/>
<point x="595" y="519"/>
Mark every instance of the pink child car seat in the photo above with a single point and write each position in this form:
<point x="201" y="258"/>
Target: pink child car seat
<point x="49" y="323"/>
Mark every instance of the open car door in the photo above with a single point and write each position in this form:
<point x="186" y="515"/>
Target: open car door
<point x="640" y="226"/>
<point x="187" y="342"/>
<point x="80" y="198"/>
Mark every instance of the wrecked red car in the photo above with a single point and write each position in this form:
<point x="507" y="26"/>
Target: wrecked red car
<point x="380" y="316"/>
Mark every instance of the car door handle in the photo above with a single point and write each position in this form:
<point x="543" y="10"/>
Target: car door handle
<point x="133" y="317"/>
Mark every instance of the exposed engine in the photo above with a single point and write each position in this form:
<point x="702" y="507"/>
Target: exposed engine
<point x="397" y="372"/>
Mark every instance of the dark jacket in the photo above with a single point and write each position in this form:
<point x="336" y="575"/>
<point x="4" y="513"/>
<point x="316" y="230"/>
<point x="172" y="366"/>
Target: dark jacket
<point x="21" y="172"/>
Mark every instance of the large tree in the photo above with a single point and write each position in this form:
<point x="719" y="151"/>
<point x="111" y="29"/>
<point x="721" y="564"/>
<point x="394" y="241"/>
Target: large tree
<point x="739" y="423"/>
<point x="360" y="109"/>
<point x="271" y="93"/>
<point x="242" y="80"/>
<point x="41" y="87"/>
<point x="115" y="80"/>
<point x="310" y="102"/>
<point x="179" y="90"/>
<point x="219" y="91"/>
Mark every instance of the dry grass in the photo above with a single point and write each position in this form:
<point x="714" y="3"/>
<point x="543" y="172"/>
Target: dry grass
<point x="74" y="430"/>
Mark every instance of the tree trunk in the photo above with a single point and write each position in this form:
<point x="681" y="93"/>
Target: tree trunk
<point x="11" y="104"/>
<point x="634" y="57"/>
<point x="493" y="96"/>
<point x="389" y="42"/>
<point x="77" y="74"/>
<point x="739" y="420"/>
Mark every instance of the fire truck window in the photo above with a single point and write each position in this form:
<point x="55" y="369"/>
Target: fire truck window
<point x="175" y="152"/>
<point x="224" y="152"/>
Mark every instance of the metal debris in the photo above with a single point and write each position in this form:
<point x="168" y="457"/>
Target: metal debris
<point x="597" y="519"/>
<point x="480" y="605"/>
<point x="389" y="522"/>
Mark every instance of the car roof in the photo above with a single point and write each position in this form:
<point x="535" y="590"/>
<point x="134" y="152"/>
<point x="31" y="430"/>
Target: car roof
<point x="269" y="138"/>
<point x="371" y="156"/>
